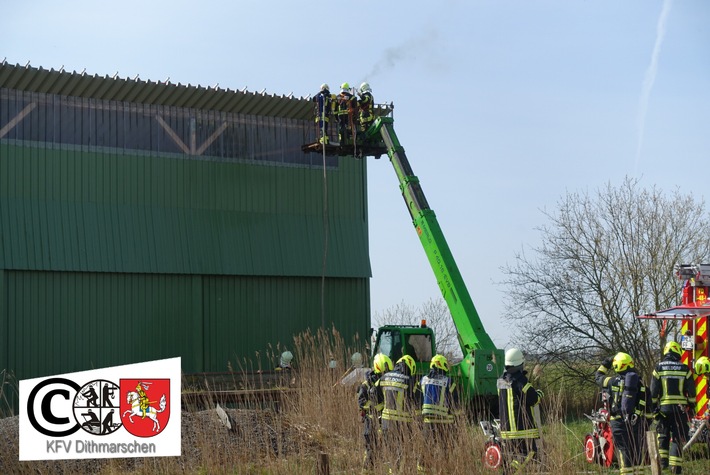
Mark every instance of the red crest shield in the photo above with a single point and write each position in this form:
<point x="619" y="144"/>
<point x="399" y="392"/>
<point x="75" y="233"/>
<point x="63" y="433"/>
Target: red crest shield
<point x="145" y="406"/>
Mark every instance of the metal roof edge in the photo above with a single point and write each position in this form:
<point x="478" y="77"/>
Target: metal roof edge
<point x="113" y="88"/>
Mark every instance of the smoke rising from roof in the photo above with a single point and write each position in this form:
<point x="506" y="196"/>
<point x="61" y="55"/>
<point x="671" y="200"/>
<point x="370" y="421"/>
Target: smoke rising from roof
<point x="423" y="47"/>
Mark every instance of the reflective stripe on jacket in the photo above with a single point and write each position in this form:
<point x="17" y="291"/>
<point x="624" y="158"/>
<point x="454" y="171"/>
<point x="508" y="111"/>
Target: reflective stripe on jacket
<point x="672" y="383"/>
<point x="627" y="394"/>
<point x="369" y="394"/>
<point x="516" y="399"/>
<point x="436" y="388"/>
<point x="397" y="388"/>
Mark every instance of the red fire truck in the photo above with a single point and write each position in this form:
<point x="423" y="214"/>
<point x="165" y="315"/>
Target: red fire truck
<point x="693" y="314"/>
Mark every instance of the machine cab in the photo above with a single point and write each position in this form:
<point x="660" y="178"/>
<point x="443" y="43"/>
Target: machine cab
<point x="398" y="340"/>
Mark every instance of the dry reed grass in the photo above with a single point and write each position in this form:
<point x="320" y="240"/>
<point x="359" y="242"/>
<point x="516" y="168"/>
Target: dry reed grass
<point x="318" y="416"/>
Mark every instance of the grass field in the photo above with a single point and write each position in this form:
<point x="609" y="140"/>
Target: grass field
<point x="319" y="421"/>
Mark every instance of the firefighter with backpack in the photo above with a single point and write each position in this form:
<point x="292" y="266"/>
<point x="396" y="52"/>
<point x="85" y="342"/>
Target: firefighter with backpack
<point x="628" y="398"/>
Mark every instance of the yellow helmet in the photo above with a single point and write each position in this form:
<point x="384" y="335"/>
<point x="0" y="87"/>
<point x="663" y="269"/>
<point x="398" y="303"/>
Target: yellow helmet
<point x="439" y="362"/>
<point x="345" y="86"/>
<point x="674" y="347"/>
<point x="702" y="365"/>
<point x="622" y="362"/>
<point x="382" y="363"/>
<point x="409" y="361"/>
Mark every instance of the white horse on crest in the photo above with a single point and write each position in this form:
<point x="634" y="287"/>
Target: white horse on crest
<point x="135" y="401"/>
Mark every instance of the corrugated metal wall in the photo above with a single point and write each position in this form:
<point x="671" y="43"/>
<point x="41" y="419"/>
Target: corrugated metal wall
<point x="69" y="321"/>
<point x="130" y="233"/>
<point x="88" y="211"/>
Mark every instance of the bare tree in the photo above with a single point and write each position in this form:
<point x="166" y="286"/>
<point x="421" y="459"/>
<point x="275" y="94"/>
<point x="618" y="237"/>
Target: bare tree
<point x="438" y="317"/>
<point x="604" y="260"/>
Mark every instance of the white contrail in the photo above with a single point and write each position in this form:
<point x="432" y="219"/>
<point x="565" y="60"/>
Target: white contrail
<point x="650" y="78"/>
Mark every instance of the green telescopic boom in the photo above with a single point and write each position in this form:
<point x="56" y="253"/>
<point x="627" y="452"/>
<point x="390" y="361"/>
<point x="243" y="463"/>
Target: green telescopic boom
<point x="482" y="361"/>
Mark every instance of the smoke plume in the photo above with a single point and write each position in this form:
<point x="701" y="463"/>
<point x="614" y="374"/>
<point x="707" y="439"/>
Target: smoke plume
<point x="420" y="47"/>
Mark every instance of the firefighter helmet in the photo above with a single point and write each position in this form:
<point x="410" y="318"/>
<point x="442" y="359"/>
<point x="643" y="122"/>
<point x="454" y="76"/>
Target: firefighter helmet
<point x="674" y="347"/>
<point x="702" y="366"/>
<point x="344" y="86"/>
<point x="622" y="362"/>
<point x="409" y="363"/>
<point x="365" y="87"/>
<point x="382" y="363"/>
<point x="324" y="87"/>
<point x="439" y="362"/>
<point x="514" y="357"/>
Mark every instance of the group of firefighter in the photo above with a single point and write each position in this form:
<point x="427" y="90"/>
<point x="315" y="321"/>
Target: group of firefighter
<point x="670" y="400"/>
<point x="352" y="109"/>
<point x="392" y="399"/>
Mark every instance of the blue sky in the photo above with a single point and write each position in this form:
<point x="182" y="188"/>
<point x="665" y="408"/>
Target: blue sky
<point x="502" y="106"/>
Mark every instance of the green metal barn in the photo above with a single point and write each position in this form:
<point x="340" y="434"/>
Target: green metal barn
<point x="142" y="220"/>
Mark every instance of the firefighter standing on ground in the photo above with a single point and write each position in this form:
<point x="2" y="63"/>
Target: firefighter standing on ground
<point x="627" y="410"/>
<point x="673" y="390"/>
<point x="437" y="400"/>
<point x="400" y="403"/>
<point x="370" y="401"/>
<point x="284" y="370"/>
<point x="516" y="399"/>
<point x="324" y="109"/>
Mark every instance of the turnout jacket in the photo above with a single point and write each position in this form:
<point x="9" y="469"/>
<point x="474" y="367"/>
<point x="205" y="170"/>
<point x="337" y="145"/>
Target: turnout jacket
<point x="398" y="390"/>
<point x="346" y="103"/>
<point x="366" y="104"/>
<point x="437" y="397"/>
<point x="324" y="105"/>
<point x="628" y="395"/>
<point x="672" y="384"/>
<point x="516" y="399"/>
<point x="369" y="395"/>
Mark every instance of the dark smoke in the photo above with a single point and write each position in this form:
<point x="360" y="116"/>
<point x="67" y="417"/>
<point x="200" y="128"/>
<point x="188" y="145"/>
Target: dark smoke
<point x="422" y="47"/>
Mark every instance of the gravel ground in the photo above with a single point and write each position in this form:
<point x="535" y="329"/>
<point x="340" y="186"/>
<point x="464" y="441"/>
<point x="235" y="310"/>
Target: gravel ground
<point x="206" y="444"/>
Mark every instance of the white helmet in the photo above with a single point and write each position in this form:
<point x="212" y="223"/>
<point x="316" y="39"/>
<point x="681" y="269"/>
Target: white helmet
<point x="286" y="358"/>
<point x="324" y="87"/>
<point x="514" y="357"/>
<point x="365" y="87"/>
